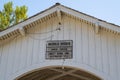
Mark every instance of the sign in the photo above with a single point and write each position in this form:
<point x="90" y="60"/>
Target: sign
<point x="59" y="49"/>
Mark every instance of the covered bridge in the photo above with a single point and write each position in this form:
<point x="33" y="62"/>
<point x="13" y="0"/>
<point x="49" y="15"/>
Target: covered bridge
<point x="60" y="43"/>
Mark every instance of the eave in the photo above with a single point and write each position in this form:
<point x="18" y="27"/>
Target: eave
<point x="56" y="10"/>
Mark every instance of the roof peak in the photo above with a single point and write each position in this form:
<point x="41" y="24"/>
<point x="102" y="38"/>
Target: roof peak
<point x="57" y="3"/>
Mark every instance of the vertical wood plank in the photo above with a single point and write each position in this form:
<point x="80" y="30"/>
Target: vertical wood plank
<point x="36" y="44"/>
<point x="40" y="42"/>
<point x="54" y="26"/>
<point x="1" y="50"/>
<point x="43" y="40"/>
<point x="104" y="43"/>
<point x="23" y="54"/>
<point x="118" y="55"/>
<point x="11" y="57"/>
<point x="4" y="62"/>
<point x="17" y="52"/>
<point x="98" y="52"/>
<point x="61" y="31"/>
<point x="111" y="56"/>
<point x="30" y="49"/>
<point x="79" y="41"/>
<point x="72" y="34"/>
<point x="66" y="28"/>
<point x="92" y="48"/>
<point x="85" y="43"/>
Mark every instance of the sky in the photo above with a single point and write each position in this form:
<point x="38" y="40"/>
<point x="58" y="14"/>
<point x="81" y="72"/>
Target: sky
<point x="108" y="10"/>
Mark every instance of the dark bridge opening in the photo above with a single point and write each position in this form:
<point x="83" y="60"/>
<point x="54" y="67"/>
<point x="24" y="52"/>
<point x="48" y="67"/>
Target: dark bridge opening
<point x="58" y="73"/>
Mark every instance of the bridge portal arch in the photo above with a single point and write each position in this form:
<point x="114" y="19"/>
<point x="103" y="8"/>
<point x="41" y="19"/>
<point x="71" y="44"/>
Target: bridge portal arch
<point x="58" y="73"/>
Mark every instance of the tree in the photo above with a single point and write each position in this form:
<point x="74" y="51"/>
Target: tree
<point x="10" y="16"/>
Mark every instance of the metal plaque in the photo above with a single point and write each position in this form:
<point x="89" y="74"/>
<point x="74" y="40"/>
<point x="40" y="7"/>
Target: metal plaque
<point x="59" y="49"/>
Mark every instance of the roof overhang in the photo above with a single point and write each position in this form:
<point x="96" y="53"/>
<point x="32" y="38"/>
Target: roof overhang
<point x="90" y="19"/>
<point x="56" y="10"/>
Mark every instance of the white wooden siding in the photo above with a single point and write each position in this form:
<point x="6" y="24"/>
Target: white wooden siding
<point x="100" y="52"/>
<point x="118" y="54"/>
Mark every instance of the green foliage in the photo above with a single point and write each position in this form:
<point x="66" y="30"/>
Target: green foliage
<point x="10" y="16"/>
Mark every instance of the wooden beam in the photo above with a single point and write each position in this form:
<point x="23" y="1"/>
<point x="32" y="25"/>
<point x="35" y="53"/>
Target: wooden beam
<point x="22" y="31"/>
<point x="97" y="27"/>
<point x="59" y="15"/>
<point x="63" y="74"/>
<point x="68" y="73"/>
<point x="81" y="77"/>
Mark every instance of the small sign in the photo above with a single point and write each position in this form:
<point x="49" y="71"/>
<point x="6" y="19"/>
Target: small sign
<point x="59" y="49"/>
